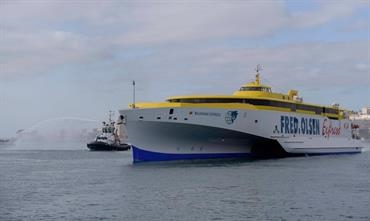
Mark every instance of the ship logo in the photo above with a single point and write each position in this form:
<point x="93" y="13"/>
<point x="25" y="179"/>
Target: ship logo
<point x="231" y="117"/>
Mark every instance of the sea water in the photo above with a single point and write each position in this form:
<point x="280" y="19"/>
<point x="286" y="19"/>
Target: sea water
<point x="78" y="184"/>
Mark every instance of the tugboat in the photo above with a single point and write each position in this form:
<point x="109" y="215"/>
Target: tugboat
<point x="111" y="137"/>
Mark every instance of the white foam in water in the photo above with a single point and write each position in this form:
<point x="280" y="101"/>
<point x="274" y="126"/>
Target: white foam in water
<point x="57" y="133"/>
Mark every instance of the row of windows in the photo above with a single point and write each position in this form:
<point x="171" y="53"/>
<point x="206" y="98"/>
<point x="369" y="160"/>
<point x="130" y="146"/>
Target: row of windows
<point x="265" y="89"/>
<point x="108" y="129"/>
<point x="291" y="106"/>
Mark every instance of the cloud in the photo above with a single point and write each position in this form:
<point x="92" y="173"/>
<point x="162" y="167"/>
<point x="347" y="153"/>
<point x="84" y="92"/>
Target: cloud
<point x="193" y="70"/>
<point x="307" y="65"/>
<point x="174" y="22"/>
<point x="326" y="11"/>
<point x="39" y="37"/>
<point x="26" y="53"/>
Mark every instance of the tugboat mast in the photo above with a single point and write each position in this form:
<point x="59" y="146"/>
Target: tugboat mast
<point x="111" y="113"/>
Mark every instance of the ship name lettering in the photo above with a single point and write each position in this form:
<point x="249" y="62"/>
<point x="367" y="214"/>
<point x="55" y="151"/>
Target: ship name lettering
<point x="303" y="125"/>
<point x="212" y="114"/>
<point x="329" y="130"/>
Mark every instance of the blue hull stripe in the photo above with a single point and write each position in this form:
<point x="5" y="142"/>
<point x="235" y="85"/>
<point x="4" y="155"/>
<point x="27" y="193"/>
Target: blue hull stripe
<point x="140" y="155"/>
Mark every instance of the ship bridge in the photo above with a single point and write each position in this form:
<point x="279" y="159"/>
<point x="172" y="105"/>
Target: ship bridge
<point x="254" y="88"/>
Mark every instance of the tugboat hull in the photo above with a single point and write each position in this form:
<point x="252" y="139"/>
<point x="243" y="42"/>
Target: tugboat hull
<point x="101" y="146"/>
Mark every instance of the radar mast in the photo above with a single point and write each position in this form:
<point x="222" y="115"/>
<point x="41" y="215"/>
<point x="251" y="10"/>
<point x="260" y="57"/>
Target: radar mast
<point x="258" y="69"/>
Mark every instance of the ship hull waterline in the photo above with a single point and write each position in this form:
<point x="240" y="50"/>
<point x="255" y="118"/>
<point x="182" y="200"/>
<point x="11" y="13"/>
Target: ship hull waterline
<point x="182" y="137"/>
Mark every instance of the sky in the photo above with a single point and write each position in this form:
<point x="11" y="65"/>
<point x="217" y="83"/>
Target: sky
<point x="78" y="58"/>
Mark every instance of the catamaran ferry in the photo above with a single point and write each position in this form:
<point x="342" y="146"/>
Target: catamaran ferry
<point x="252" y="122"/>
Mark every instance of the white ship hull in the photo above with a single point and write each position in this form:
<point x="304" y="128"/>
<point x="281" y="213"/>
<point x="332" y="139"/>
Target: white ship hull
<point x="200" y="133"/>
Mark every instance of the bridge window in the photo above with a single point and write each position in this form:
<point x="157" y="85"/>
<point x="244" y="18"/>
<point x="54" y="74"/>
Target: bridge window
<point x="264" y="89"/>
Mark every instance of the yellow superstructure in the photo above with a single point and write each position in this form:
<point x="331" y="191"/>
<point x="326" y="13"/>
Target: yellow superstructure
<point x="252" y="95"/>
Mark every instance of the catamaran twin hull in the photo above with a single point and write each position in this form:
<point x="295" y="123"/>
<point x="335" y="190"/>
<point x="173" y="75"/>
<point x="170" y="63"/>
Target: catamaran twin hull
<point x="202" y="133"/>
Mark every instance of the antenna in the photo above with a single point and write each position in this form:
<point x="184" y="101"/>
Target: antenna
<point x="111" y="113"/>
<point x="258" y="68"/>
<point x="133" y="103"/>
